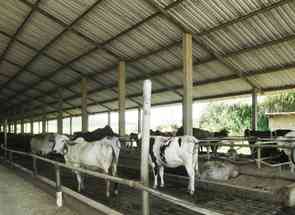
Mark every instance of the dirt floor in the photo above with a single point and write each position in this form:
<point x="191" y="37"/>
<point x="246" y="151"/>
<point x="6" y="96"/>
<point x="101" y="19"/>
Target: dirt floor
<point x="129" y="200"/>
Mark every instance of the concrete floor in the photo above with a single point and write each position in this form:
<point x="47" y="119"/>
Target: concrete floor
<point x="19" y="197"/>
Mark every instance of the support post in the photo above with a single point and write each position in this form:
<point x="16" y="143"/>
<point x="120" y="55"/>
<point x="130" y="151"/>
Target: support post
<point x="35" y="170"/>
<point x="139" y="120"/>
<point x="22" y="124"/>
<point x="59" y="202"/>
<point x="15" y="126"/>
<point x="84" y="105"/>
<point x="187" y="84"/>
<point x="122" y="96"/>
<point x="32" y="126"/>
<point x="109" y="118"/>
<point x="254" y="110"/>
<point x="147" y="89"/>
<point x="59" y="117"/>
<point x="71" y="129"/>
<point x="44" y="122"/>
<point x="5" y="138"/>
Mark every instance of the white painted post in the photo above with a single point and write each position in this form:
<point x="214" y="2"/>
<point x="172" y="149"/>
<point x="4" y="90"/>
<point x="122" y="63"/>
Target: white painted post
<point x="59" y="201"/>
<point x="44" y="121"/>
<point x="147" y="89"/>
<point x="187" y="84"/>
<point x="109" y="118"/>
<point x="71" y="129"/>
<point x="84" y="105"/>
<point x="22" y="123"/>
<point x="139" y="121"/>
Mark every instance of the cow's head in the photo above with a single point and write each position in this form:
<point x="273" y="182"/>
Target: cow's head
<point x="60" y="142"/>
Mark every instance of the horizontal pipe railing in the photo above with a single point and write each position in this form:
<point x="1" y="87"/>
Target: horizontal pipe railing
<point x="130" y="183"/>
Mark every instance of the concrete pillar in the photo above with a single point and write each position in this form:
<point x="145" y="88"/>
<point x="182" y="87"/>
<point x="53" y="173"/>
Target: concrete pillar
<point x="254" y="110"/>
<point x="44" y="122"/>
<point x="32" y="126"/>
<point x="15" y="126"/>
<point x="71" y="129"/>
<point x="22" y="123"/>
<point x="84" y="105"/>
<point x="139" y="120"/>
<point x="109" y="118"/>
<point x="187" y="84"/>
<point x="59" y="117"/>
<point x="122" y="96"/>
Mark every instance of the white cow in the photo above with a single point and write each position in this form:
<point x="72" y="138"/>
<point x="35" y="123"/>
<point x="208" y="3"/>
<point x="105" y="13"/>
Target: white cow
<point x="218" y="170"/>
<point x="47" y="143"/>
<point x="97" y="155"/>
<point x="173" y="152"/>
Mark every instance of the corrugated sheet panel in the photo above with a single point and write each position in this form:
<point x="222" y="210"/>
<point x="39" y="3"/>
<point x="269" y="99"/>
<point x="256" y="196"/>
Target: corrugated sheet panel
<point x="27" y="77"/>
<point x="258" y="29"/>
<point x="95" y="62"/>
<point x="275" y="79"/>
<point x="164" y="97"/>
<point x="221" y="88"/>
<point x="66" y="10"/>
<point x="65" y="76"/>
<point x="103" y="95"/>
<point x="106" y="20"/>
<point x="12" y="14"/>
<point x="39" y="31"/>
<point x="277" y="55"/>
<point x="69" y="47"/>
<point x="8" y="69"/>
<point x="159" y="31"/>
<point x="43" y="65"/>
<point x="20" y="54"/>
<point x="3" y="42"/>
<point x="47" y="86"/>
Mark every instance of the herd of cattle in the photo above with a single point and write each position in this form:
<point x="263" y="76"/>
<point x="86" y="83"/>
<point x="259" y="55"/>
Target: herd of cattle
<point x="99" y="150"/>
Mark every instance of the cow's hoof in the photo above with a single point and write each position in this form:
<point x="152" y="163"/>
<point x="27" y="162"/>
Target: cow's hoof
<point x="108" y="194"/>
<point x="155" y="186"/>
<point x="116" y="192"/>
<point x="162" y="185"/>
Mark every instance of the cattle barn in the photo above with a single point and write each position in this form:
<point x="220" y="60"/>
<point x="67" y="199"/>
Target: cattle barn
<point x="65" y="62"/>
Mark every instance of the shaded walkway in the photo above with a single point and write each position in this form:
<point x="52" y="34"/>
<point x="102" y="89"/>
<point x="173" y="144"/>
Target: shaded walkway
<point x="19" y="197"/>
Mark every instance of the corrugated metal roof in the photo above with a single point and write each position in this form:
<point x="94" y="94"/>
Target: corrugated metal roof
<point x="229" y="29"/>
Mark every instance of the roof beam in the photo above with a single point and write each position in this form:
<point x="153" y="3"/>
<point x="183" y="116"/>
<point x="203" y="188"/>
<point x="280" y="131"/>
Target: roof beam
<point x="199" y="83"/>
<point x="198" y="41"/>
<point x="178" y="67"/>
<point x="249" y="15"/>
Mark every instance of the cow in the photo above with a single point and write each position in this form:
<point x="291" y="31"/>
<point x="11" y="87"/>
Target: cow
<point x="173" y="152"/>
<point x="97" y="155"/>
<point x="97" y="134"/>
<point x="45" y="144"/>
<point x="253" y="136"/>
<point x="289" y="152"/>
<point x="218" y="170"/>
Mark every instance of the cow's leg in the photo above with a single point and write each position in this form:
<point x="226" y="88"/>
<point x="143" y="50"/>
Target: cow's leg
<point x="161" y="173"/>
<point x="108" y="184"/>
<point x="191" y="173"/>
<point x="114" y="173"/>
<point x="155" y="171"/>
<point x="80" y="181"/>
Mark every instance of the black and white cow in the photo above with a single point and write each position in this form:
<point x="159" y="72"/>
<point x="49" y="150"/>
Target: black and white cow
<point x="97" y="155"/>
<point x="173" y="152"/>
<point x="289" y="152"/>
<point x="45" y="144"/>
